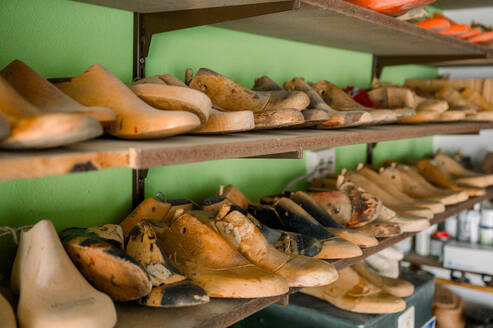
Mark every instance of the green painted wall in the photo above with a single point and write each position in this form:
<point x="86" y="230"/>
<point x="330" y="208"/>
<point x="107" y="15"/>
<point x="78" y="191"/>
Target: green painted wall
<point x="62" y="38"/>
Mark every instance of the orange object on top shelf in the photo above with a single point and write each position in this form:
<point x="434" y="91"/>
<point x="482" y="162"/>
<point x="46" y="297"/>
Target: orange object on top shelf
<point x="456" y="29"/>
<point x="472" y="32"/>
<point x="485" y="37"/>
<point x="436" y="24"/>
<point x="391" y="7"/>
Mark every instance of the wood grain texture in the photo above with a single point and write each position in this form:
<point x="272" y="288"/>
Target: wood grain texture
<point x="339" y="24"/>
<point x="110" y="153"/>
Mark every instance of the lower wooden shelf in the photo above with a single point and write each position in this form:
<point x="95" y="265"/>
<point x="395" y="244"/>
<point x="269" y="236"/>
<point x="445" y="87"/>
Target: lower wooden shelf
<point x="107" y="153"/>
<point x="224" y="312"/>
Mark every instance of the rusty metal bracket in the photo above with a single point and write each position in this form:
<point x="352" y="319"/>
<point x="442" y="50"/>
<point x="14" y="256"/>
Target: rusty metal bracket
<point x="369" y="152"/>
<point x="153" y="23"/>
<point x="138" y="186"/>
<point x="376" y="68"/>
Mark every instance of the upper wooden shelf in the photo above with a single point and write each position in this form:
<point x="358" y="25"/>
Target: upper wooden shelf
<point x="339" y="24"/>
<point x="224" y="312"/>
<point x="103" y="153"/>
<point x="462" y="4"/>
<point x="153" y="6"/>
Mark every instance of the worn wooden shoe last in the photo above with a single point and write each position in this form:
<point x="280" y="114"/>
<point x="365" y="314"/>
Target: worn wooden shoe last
<point x="415" y="185"/>
<point x="395" y="287"/>
<point x="45" y="96"/>
<point x="106" y="265"/>
<point x="7" y="315"/>
<point x="353" y="293"/>
<point x="149" y="209"/>
<point x="206" y="258"/>
<point x="135" y="119"/>
<point x="435" y="207"/>
<point x="387" y="199"/>
<point x="296" y="243"/>
<point x="381" y="229"/>
<point x="336" y="98"/>
<point x="311" y="116"/>
<point x="177" y="294"/>
<point x="401" y="100"/>
<point x="31" y="128"/>
<point x="476" y="98"/>
<point x="423" y="117"/>
<point x="482" y="116"/>
<point x="299" y="271"/>
<point x="455" y="100"/>
<point x="169" y="288"/>
<point x="460" y="174"/>
<point x="235" y="196"/>
<point x="434" y="174"/>
<point x="231" y="96"/>
<point x="277" y="118"/>
<point x="53" y="293"/>
<point x="336" y="118"/>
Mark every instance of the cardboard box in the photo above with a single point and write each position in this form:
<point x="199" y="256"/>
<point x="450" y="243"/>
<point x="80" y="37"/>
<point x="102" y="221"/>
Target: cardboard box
<point x="468" y="257"/>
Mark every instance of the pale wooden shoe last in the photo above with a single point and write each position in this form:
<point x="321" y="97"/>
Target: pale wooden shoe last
<point x="381" y="229"/>
<point x="45" y="96"/>
<point x="175" y="98"/>
<point x="7" y="316"/>
<point x="135" y="119"/>
<point x="460" y="174"/>
<point x="455" y="100"/>
<point x="353" y="293"/>
<point x="206" y="258"/>
<point x="30" y="128"/>
<point x="231" y="96"/>
<point x="395" y="287"/>
<point x="277" y="118"/>
<point x="53" y="293"/>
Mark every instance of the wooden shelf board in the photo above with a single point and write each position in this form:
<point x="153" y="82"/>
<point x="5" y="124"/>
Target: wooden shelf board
<point x="110" y="153"/>
<point x="462" y="4"/>
<point x="464" y="62"/>
<point x="339" y="24"/>
<point x="225" y="312"/>
<point x="153" y="6"/>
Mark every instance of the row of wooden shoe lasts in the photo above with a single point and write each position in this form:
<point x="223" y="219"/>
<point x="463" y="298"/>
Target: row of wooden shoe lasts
<point x="37" y="114"/>
<point x="176" y="253"/>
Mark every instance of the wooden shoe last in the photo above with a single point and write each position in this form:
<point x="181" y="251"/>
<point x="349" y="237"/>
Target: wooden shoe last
<point x="336" y="119"/>
<point x="53" y="293"/>
<point x="207" y="259"/>
<point x="150" y="209"/>
<point x="227" y="122"/>
<point x="353" y="293"/>
<point x="242" y="235"/>
<point x="231" y="96"/>
<point x="277" y="118"/>
<point x="45" y="96"/>
<point x="177" y="294"/>
<point x="7" y="314"/>
<point x="30" y="128"/>
<point x="395" y="287"/>
<point x="135" y="119"/>
<point x="460" y="174"/>
<point x="106" y="265"/>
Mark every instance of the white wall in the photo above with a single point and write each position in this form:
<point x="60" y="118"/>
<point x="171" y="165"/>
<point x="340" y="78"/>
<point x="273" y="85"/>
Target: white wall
<point x="475" y="146"/>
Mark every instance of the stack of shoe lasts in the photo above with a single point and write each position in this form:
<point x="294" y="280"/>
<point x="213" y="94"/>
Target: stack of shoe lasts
<point x="52" y="292"/>
<point x="297" y="214"/>
<point x="155" y="91"/>
<point x="271" y="109"/>
<point x="36" y="115"/>
<point x="359" y="289"/>
<point x="427" y="108"/>
<point x="448" y="308"/>
<point x="459" y="103"/>
<point x="340" y="100"/>
<point x="397" y="213"/>
<point x="391" y="7"/>
<point x="445" y="172"/>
